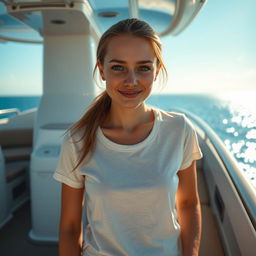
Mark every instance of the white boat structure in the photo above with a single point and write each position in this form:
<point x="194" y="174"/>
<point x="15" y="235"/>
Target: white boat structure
<point x="30" y="141"/>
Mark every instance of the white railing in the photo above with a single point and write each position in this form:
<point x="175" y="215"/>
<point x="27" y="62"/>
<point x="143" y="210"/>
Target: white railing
<point x="9" y="111"/>
<point x="245" y="190"/>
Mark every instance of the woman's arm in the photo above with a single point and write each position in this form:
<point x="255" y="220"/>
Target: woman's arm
<point x="189" y="211"/>
<point x="70" y="236"/>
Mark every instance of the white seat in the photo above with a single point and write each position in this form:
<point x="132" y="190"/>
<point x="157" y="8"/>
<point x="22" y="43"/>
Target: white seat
<point x="16" y="146"/>
<point x="14" y="186"/>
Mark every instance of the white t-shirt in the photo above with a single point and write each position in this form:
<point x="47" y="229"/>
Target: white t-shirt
<point x="130" y="189"/>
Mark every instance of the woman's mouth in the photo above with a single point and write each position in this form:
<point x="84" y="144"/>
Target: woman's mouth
<point x="130" y="94"/>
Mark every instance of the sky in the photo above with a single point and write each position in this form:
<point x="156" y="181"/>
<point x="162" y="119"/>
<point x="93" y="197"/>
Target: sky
<point x="216" y="53"/>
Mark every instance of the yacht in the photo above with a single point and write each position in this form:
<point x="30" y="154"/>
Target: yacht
<point x="30" y="141"/>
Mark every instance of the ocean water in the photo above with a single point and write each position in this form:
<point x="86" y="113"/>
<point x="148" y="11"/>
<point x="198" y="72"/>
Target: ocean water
<point x="20" y="102"/>
<point x="231" y="116"/>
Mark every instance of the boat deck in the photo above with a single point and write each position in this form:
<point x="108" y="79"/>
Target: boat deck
<point x="14" y="237"/>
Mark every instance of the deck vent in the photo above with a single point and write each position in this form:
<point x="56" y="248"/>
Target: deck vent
<point x="108" y="14"/>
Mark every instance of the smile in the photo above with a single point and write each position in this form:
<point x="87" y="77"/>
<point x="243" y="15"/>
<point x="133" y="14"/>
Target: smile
<point x="129" y="94"/>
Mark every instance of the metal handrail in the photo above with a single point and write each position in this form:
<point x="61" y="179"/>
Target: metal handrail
<point x="245" y="190"/>
<point x="9" y="39"/>
<point x="9" y="111"/>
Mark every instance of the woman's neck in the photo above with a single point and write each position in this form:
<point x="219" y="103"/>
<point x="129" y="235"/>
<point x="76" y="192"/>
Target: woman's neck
<point x="128" y="119"/>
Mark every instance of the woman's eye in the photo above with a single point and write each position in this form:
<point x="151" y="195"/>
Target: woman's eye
<point x="117" y="68"/>
<point x="144" y="68"/>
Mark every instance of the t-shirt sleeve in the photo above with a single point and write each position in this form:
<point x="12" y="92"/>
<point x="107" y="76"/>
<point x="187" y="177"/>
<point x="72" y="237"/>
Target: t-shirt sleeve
<point x="66" y="163"/>
<point x="191" y="150"/>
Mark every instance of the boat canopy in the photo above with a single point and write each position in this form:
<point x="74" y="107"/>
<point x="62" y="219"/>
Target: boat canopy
<point x="30" y="20"/>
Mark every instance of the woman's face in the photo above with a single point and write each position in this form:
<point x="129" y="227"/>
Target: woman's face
<point x="129" y="69"/>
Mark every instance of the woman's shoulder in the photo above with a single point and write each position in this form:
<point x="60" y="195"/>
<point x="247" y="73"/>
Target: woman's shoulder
<point x="170" y="116"/>
<point x="73" y="138"/>
<point x="174" y="119"/>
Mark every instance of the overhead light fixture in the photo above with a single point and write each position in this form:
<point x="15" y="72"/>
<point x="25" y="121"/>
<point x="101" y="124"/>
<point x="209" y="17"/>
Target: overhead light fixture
<point x="58" y="22"/>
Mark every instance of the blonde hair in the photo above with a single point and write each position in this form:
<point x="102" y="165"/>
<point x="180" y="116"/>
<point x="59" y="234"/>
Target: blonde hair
<point x="99" y="109"/>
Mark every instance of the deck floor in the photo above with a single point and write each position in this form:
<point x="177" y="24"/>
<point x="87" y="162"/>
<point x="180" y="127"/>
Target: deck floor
<point x="14" y="240"/>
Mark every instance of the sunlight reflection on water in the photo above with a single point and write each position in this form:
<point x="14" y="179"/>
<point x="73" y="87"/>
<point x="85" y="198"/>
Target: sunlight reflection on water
<point x="241" y="124"/>
<point x="231" y="116"/>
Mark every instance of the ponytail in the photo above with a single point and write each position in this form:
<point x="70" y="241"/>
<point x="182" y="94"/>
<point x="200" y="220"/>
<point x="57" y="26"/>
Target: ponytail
<point x="88" y="125"/>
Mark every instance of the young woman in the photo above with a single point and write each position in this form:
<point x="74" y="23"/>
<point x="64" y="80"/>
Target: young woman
<point x="129" y="166"/>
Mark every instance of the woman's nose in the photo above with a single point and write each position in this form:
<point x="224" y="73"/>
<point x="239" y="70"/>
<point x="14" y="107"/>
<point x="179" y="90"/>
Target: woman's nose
<point x="131" y="78"/>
